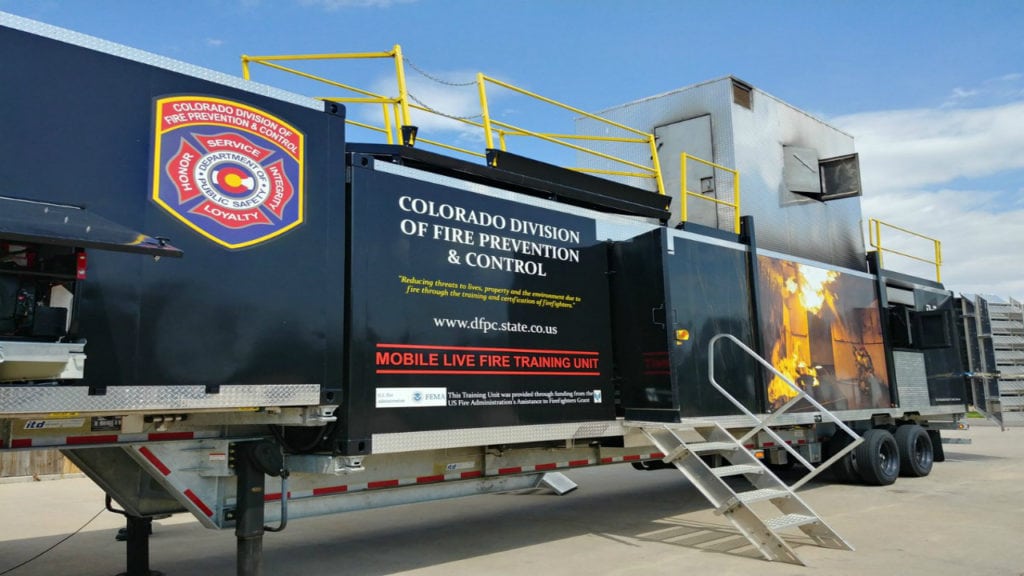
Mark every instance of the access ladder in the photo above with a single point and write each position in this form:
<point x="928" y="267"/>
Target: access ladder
<point x="695" y="449"/>
<point x="699" y="450"/>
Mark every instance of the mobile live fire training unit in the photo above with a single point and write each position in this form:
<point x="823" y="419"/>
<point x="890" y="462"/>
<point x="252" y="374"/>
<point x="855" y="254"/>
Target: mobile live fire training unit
<point x="203" y="284"/>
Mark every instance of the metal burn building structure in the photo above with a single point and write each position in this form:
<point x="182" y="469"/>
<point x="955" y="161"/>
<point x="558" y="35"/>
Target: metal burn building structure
<point x="378" y="324"/>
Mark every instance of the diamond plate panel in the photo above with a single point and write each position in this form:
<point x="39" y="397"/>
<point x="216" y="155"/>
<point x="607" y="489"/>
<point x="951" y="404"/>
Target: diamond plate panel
<point x="21" y="400"/>
<point x="911" y="379"/>
<point x="128" y="53"/>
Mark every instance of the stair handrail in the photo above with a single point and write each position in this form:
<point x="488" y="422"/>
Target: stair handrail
<point x="763" y="424"/>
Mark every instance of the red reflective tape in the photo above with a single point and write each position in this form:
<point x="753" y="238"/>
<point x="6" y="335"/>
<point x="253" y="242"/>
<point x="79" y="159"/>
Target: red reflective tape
<point x="155" y="461"/>
<point x="471" y="474"/>
<point x="607" y="460"/>
<point x="171" y="435"/>
<point x="801" y="441"/>
<point x="550" y="466"/>
<point x="273" y="497"/>
<point x="510" y="470"/>
<point x="21" y="442"/>
<point x="631" y="458"/>
<point x="1" y="442"/>
<point x="768" y="444"/>
<point x="329" y="490"/>
<point x="430" y="479"/>
<point x="104" y="439"/>
<point x="199" y="503"/>
<point x="382" y="484"/>
<point x="748" y="446"/>
<point x="658" y="455"/>
<point x="574" y="463"/>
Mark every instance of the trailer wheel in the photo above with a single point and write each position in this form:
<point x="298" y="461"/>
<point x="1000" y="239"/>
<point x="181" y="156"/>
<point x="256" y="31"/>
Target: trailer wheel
<point x="916" y="454"/>
<point x="843" y="470"/>
<point x="877" y="458"/>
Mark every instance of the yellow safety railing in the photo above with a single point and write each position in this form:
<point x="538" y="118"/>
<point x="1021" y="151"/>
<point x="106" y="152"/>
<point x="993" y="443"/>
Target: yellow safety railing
<point x="494" y="126"/>
<point x="396" y="124"/>
<point x="875" y="228"/>
<point x="685" y="193"/>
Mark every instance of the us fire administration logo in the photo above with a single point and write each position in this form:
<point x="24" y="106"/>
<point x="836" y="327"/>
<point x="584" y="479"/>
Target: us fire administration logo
<point x="229" y="171"/>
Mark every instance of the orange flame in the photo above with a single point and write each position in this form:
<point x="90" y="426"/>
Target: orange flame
<point x="813" y="282"/>
<point x="810" y="286"/>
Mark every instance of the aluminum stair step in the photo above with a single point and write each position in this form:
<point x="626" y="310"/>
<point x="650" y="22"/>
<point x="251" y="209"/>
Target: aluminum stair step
<point x="762" y="494"/>
<point x="789" y="521"/>
<point x="723" y="471"/>
<point x="705" y="447"/>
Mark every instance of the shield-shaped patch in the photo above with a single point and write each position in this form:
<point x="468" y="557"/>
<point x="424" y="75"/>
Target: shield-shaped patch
<point x="229" y="171"/>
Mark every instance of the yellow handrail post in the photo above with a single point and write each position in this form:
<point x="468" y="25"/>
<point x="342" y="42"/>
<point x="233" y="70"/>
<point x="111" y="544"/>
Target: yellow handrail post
<point x="878" y="242"/>
<point x="501" y="140"/>
<point x="656" y="165"/>
<point x="878" y="236"/>
<point x="403" y="91"/>
<point x="398" y="121"/>
<point x="736" y="200"/>
<point x="682" y="188"/>
<point x="875" y="239"/>
<point x="387" y="122"/>
<point x="484" y="113"/>
<point x="401" y="129"/>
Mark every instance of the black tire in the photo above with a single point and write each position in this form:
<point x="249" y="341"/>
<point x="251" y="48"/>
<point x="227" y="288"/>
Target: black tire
<point x="843" y="470"/>
<point x="916" y="452"/>
<point x="877" y="458"/>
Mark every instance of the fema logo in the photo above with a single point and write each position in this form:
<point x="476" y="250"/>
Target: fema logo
<point x="417" y="396"/>
<point x="228" y="171"/>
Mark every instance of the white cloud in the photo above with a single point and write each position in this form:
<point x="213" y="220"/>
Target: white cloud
<point x="911" y="148"/>
<point x="215" y="42"/>
<point x="981" y="247"/>
<point x="917" y="167"/>
<point x="457" y="101"/>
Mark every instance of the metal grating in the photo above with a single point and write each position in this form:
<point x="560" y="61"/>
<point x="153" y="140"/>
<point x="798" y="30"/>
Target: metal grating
<point x="911" y="379"/>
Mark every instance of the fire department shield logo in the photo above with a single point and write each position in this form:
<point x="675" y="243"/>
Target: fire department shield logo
<point x="229" y="171"/>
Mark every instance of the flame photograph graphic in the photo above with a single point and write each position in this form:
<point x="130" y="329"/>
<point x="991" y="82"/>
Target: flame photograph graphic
<point x="823" y="330"/>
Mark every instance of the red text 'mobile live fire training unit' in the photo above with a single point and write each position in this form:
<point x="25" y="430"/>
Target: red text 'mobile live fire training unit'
<point x="378" y="324"/>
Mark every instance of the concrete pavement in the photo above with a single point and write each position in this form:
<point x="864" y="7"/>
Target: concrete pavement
<point x="967" y="517"/>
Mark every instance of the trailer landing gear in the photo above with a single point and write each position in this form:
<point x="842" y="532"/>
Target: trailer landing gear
<point x="253" y="461"/>
<point x="136" y="538"/>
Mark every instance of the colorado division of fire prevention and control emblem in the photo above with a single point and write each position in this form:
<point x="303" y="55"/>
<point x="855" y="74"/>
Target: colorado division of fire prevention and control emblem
<point x="230" y="172"/>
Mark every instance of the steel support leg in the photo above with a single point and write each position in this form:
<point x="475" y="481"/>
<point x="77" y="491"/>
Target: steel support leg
<point x="137" y="534"/>
<point x="249" y="514"/>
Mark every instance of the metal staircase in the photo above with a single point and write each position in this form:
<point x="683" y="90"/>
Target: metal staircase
<point x="694" y="449"/>
<point x="760" y="505"/>
<point x="994" y="346"/>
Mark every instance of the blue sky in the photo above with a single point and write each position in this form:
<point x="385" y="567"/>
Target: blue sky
<point x="932" y="91"/>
